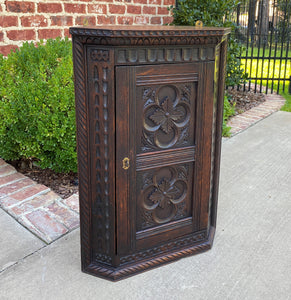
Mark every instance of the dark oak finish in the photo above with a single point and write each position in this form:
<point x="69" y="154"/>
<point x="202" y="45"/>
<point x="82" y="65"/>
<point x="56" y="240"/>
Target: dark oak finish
<point x="149" y="105"/>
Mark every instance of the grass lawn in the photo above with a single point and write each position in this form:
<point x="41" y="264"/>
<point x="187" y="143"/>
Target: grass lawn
<point x="287" y="105"/>
<point x="265" y="53"/>
<point x="266" y="68"/>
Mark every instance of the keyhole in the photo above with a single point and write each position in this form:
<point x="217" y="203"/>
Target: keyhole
<point x="125" y="163"/>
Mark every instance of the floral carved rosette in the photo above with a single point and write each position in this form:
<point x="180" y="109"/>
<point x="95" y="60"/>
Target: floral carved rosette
<point x="162" y="197"/>
<point x="166" y="117"/>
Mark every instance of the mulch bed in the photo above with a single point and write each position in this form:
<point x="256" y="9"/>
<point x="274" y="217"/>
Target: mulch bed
<point x="63" y="184"/>
<point x="67" y="184"/>
<point x="245" y="100"/>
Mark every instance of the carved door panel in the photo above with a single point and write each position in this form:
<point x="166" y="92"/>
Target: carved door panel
<point x="163" y="138"/>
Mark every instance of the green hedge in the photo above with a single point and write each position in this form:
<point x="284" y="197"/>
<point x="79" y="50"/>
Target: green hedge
<point x="37" y="105"/>
<point x="214" y="13"/>
<point x="228" y="112"/>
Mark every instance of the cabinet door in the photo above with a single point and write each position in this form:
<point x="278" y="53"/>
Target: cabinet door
<point x="163" y="137"/>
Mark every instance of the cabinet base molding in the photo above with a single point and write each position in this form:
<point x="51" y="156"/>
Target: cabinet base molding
<point x="132" y="268"/>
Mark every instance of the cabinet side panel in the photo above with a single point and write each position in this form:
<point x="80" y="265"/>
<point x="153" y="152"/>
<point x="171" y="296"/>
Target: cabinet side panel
<point x="204" y="145"/>
<point x="82" y="147"/>
<point x="102" y="151"/>
<point x="214" y="129"/>
<point x="206" y="142"/>
<point x="219" y="118"/>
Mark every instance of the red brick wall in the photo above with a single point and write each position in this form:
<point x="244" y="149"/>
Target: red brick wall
<point x="33" y="20"/>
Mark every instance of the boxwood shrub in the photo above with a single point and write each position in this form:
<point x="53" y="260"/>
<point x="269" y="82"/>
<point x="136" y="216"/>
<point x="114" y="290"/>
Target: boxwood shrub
<point x="37" y="105"/>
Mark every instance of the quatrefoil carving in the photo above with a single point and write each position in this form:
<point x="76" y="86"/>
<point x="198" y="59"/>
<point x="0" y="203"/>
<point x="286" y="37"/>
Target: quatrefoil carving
<point x="100" y="55"/>
<point x="163" y="195"/>
<point x="166" y="116"/>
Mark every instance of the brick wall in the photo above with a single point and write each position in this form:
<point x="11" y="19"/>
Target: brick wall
<point x="33" y="20"/>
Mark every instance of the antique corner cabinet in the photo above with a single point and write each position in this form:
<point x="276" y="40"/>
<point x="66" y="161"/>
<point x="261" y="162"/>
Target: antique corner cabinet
<point x="149" y="105"/>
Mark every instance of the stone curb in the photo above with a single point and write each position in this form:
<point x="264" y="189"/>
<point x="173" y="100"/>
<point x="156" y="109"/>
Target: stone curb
<point x="49" y="217"/>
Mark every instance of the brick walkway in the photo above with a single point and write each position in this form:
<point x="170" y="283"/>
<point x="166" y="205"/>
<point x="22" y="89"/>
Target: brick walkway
<point x="49" y="216"/>
<point x="35" y="206"/>
<point x="250" y="117"/>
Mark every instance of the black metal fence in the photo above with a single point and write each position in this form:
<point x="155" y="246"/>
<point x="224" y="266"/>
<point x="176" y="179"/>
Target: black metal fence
<point x="265" y="31"/>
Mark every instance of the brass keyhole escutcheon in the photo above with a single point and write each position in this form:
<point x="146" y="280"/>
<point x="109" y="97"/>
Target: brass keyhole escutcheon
<point x="125" y="163"/>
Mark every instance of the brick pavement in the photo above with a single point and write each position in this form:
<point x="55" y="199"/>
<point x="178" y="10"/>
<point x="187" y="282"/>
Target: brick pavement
<point x="35" y="206"/>
<point x="49" y="217"/>
<point x="250" y="117"/>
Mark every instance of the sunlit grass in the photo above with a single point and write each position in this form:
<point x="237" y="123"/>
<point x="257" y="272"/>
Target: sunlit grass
<point x="272" y="68"/>
<point x="263" y="68"/>
<point x="265" y="53"/>
<point x="287" y="105"/>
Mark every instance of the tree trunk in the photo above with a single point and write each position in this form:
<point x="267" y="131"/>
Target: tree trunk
<point x="252" y="19"/>
<point x="264" y="21"/>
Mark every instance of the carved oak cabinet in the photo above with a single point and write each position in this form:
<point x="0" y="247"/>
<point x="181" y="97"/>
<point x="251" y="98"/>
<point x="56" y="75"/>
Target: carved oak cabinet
<point x="149" y="104"/>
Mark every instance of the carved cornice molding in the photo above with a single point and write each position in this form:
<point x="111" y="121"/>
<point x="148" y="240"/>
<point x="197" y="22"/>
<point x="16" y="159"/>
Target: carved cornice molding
<point x="148" y="37"/>
<point x="172" y="31"/>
